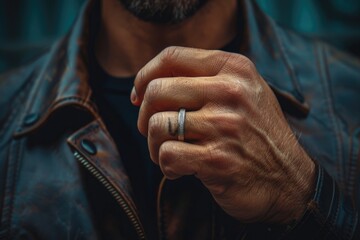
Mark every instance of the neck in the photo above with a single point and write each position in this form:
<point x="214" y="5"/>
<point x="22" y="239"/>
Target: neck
<point x="125" y="43"/>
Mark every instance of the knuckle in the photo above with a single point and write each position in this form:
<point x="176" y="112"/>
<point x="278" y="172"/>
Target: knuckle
<point x="152" y="90"/>
<point x="233" y="127"/>
<point x="169" y="172"/>
<point x="240" y="65"/>
<point x="230" y="58"/>
<point x="214" y="119"/>
<point x="153" y="151"/>
<point x="233" y="60"/>
<point x="228" y="90"/>
<point x="248" y="65"/>
<point x="243" y="59"/>
<point x="141" y="74"/>
<point x="169" y="54"/>
<point x="165" y="154"/>
<point x="227" y="61"/>
<point x="232" y="122"/>
<point x="219" y="189"/>
<point x="142" y="128"/>
<point x="214" y="157"/>
<point x="166" y="160"/>
<point x="232" y="89"/>
<point x="155" y="123"/>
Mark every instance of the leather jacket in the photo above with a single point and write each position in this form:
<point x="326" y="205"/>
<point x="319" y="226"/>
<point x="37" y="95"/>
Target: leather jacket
<point x="61" y="176"/>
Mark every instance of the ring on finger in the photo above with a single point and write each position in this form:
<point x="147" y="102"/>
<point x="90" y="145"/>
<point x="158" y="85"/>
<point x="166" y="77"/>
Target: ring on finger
<point x="181" y="124"/>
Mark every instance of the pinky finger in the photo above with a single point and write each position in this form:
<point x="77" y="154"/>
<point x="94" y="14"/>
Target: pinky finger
<point x="177" y="159"/>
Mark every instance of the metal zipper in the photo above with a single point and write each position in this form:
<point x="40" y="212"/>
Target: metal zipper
<point x="129" y="213"/>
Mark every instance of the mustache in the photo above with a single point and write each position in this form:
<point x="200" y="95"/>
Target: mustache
<point x="164" y="12"/>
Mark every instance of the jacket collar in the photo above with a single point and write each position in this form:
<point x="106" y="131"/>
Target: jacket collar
<point x="64" y="77"/>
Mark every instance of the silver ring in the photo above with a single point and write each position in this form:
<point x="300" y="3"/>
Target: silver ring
<point x="181" y="124"/>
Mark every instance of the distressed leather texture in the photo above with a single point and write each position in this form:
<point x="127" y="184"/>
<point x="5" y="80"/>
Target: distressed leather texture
<point x="52" y="187"/>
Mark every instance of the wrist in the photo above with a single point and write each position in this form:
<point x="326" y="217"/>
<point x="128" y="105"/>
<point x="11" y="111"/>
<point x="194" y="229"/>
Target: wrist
<point x="302" y="191"/>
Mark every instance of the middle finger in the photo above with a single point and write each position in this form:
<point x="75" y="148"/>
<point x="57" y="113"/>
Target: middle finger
<point x="171" y="94"/>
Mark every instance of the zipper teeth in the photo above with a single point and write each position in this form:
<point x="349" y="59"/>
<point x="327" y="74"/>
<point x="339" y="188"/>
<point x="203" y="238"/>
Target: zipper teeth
<point x="113" y="192"/>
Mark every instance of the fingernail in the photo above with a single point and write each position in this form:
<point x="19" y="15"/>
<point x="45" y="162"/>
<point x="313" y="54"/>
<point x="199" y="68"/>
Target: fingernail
<point x="133" y="95"/>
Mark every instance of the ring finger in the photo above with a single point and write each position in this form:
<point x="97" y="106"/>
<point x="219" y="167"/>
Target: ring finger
<point x="163" y="126"/>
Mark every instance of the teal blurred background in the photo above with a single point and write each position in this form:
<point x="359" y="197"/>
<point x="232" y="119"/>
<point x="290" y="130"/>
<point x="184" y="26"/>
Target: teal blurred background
<point x="29" y="27"/>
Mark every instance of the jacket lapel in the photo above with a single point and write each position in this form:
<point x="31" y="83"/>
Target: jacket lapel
<point x="63" y="82"/>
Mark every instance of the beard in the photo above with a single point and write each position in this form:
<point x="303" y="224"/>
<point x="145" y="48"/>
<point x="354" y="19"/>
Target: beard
<point x="164" y="12"/>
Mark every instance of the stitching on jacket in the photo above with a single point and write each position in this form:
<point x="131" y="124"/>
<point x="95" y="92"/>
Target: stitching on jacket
<point x="335" y="120"/>
<point x="16" y="175"/>
<point x="333" y="222"/>
<point x="15" y="110"/>
<point x="5" y="208"/>
<point x="354" y="163"/>
<point x="287" y="62"/>
<point x="83" y="102"/>
<point x="91" y="128"/>
<point x="56" y="105"/>
<point x="320" y="183"/>
<point x="11" y="179"/>
<point x="99" y="124"/>
<point x="58" y="46"/>
<point x="328" y="214"/>
<point x="324" y="76"/>
<point x="354" y="156"/>
<point x="329" y="221"/>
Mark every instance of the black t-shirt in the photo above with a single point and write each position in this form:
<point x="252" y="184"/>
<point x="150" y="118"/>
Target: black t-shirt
<point x="120" y="116"/>
<point x="112" y="95"/>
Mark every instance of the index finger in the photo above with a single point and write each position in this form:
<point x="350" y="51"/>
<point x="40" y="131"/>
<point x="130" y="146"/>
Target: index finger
<point x="178" y="62"/>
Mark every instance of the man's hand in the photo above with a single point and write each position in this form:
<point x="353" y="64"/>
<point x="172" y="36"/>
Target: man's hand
<point x="237" y="141"/>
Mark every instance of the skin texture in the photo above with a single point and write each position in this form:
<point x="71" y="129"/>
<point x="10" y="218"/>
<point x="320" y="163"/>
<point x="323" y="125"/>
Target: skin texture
<point x="237" y="141"/>
<point x="125" y="43"/>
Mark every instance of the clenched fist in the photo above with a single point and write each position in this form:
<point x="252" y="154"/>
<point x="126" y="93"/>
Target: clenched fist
<point x="237" y="141"/>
